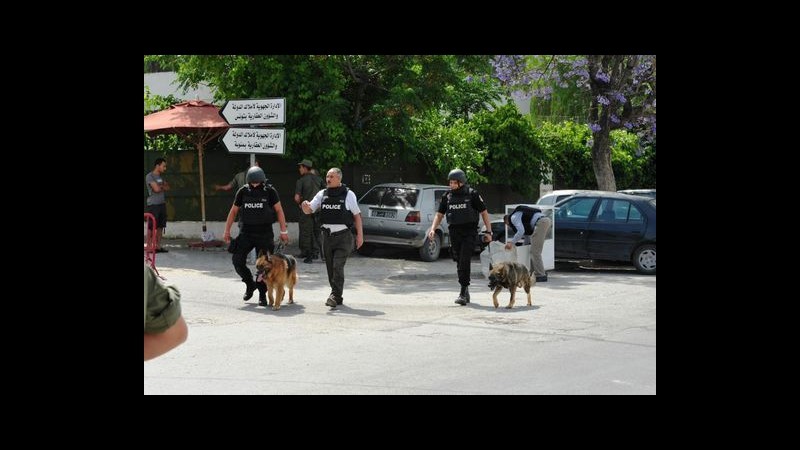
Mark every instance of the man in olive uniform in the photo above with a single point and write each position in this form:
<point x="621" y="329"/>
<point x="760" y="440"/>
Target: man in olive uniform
<point x="237" y="181"/>
<point x="164" y="326"/>
<point x="462" y="204"/>
<point x="306" y="188"/>
<point x="260" y="206"/>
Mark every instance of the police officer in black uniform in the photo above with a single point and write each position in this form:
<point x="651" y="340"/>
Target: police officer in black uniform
<point x="462" y="204"/>
<point x="260" y="205"/>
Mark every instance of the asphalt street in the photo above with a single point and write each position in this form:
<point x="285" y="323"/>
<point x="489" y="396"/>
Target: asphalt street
<point x="590" y="331"/>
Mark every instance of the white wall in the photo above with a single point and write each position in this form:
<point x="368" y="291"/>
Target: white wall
<point x="163" y="83"/>
<point x="193" y="230"/>
<point x="522" y="101"/>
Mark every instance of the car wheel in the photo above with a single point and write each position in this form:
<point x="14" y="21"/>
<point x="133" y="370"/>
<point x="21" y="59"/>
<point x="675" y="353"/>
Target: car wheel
<point x="430" y="249"/>
<point x="644" y="259"/>
<point x="366" y="249"/>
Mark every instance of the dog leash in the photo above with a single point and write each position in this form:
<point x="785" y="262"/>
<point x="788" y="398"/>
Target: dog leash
<point x="280" y="247"/>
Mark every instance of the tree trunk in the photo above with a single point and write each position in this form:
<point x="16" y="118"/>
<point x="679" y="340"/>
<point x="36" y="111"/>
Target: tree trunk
<point x="601" y="161"/>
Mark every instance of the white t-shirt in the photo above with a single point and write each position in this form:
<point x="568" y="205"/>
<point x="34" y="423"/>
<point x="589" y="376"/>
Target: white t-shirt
<point x="350" y="204"/>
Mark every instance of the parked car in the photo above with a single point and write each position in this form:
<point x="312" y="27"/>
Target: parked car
<point x="554" y="197"/>
<point x="643" y="192"/>
<point x="607" y="226"/>
<point x="400" y="215"/>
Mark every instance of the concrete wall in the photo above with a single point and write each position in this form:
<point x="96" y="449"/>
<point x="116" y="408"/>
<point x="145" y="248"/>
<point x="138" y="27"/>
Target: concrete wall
<point x="163" y="83"/>
<point x="193" y="230"/>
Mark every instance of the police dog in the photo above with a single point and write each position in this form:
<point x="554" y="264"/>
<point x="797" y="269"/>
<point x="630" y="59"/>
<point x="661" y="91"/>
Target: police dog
<point x="510" y="275"/>
<point x="277" y="271"/>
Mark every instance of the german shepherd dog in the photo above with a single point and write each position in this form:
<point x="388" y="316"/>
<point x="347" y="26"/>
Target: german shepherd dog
<point x="277" y="271"/>
<point x="510" y="275"/>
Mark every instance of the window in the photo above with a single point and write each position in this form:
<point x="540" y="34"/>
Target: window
<point x="437" y="198"/>
<point x="374" y="196"/>
<point x="400" y="197"/>
<point x="391" y="196"/>
<point x="619" y="211"/>
<point x="635" y="216"/>
<point x="606" y="212"/>
<point x="577" y="210"/>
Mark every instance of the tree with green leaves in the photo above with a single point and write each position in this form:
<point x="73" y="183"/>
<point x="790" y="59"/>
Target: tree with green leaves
<point x="348" y="108"/>
<point x="513" y="155"/>
<point x="163" y="143"/>
<point x="621" y="94"/>
<point x="444" y="143"/>
<point x="567" y="151"/>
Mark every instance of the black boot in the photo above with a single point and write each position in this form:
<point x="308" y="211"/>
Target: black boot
<point x="248" y="293"/>
<point x="463" y="296"/>
<point x="262" y="294"/>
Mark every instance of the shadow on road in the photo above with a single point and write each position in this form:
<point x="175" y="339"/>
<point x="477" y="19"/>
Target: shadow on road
<point x="344" y="309"/>
<point x="502" y="308"/>
<point x="286" y="310"/>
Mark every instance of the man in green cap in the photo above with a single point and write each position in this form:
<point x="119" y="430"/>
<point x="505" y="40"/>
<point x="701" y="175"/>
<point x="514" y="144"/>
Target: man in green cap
<point x="306" y="188"/>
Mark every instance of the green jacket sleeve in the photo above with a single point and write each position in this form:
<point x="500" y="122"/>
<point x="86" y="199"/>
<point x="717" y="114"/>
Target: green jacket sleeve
<point x="162" y="304"/>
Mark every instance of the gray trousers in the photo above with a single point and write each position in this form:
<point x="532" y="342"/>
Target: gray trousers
<point x="537" y="243"/>
<point x="336" y="248"/>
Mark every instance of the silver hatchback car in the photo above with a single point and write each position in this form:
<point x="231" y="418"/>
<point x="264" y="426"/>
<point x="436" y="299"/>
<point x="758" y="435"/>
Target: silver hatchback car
<point x="400" y="215"/>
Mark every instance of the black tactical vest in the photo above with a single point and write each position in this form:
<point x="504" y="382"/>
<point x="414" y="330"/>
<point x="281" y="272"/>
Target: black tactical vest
<point x="256" y="209"/>
<point x="459" y="207"/>
<point x="333" y="208"/>
<point x="527" y="214"/>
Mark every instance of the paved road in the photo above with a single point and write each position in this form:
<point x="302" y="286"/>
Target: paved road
<point x="399" y="332"/>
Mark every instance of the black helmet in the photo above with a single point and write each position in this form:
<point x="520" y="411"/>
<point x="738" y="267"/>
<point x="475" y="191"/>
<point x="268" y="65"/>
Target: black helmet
<point x="256" y="175"/>
<point x="458" y="175"/>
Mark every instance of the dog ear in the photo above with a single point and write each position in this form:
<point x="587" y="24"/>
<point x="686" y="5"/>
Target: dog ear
<point x="504" y="271"/>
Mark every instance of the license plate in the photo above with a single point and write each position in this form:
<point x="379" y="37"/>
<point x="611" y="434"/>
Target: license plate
<point x="385" y="214"/>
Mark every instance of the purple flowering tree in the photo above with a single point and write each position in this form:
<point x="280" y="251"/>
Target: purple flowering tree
<point x="620" y="92"/>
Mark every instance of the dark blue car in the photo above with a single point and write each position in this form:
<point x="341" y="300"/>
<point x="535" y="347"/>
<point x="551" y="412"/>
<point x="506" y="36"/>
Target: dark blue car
<point x="607" y="226"/>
